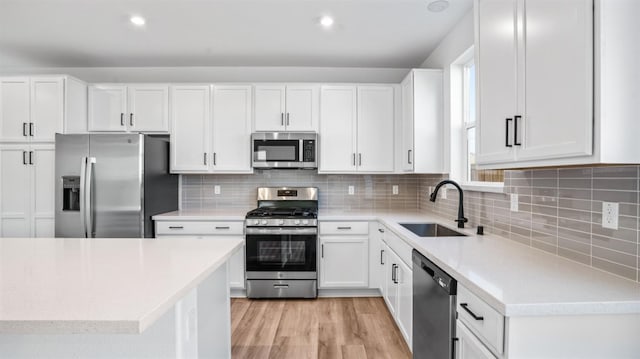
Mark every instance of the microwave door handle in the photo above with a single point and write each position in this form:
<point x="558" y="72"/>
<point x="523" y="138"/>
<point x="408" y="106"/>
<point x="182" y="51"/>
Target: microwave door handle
<point x="300" y="150"/>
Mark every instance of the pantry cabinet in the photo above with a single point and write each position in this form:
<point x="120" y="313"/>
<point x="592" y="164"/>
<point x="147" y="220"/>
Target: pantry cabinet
<point x="27" y="174"/>
<point x="422" y="139"/>
<point x="134" y="108"/>
<point x="34" y="109"/>
<point x="286" y="108"/>
<point x="356" y="129"/>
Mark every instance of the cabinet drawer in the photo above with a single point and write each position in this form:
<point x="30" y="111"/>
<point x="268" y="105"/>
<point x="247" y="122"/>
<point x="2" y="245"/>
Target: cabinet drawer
<point x="329" y="228"/>
<point x="402" y="249"/>
<point x="199" y="228"/>
<point x="488" y="324"/>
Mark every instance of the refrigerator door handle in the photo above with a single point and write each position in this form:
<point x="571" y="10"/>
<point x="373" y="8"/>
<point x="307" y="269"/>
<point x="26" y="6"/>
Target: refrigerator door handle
<point x="88" y="195"/>
<point x="83" y="195"/>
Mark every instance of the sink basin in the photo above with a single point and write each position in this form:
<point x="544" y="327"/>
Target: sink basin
<point x="430" y="230"/>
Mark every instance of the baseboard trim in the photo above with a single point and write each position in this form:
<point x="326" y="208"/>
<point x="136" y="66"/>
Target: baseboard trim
<point x="238" y="293"/>
<point x="364" y="292"/>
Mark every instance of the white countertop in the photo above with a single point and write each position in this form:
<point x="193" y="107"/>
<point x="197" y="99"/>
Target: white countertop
<point x="515" y="279"/>
<point x="66" y="286"/>
<point x="203" y="215"/>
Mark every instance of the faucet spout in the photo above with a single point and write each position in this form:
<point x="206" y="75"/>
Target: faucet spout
<point x="434" y="195"/>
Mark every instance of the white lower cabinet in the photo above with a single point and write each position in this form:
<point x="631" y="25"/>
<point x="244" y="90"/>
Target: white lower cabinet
<point x="344" y="255"/>
<point x="209" y="230"/>
<point x="468" y="346"/>
<point x="27" y="190"/>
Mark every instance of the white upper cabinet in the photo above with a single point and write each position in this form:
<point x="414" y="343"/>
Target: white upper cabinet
<point x="422" y="137"/>
<point x="190" y="117"/>
<point x="135" y="108"/>
<point x="535" y="80"/>
<point x="148" y="108"/>
<point x="356" y="129"/>
<point x="34" y="109"/>
<point x="375" y="128"/>
<point x="231" y="129"/>
<point x="286" y="108"/>
<point x="338" y="109"/>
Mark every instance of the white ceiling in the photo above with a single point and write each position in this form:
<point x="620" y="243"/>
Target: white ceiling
<point x="97" y="33"/>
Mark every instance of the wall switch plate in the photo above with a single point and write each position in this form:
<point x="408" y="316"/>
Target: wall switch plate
<point x="430" y="191"/>
<point x="352" y="190"/>
<point x="610" y="215"/>
<point x="216" y="189"/>
<point x="394" y="189"/>
<point x="514" y="202"/>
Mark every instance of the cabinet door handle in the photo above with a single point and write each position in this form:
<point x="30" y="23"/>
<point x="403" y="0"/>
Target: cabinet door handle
<point x="281" y="118"/>
<point x="380" y="230"/>
<point x="359" y="159"/>
<point x="322" y="251"/>
<point x="121" y="118"/>
<point x="409" y="156"/>
<point x="24" y="129"/>
<point x="30" y="157"/>
<point x="506" y="132"/>
<point x="515" y="130"/>
<point x="24" y="157"/>
<point x="31" y="129"/>
<point x="176" y="227"/>
<point x="214" y="159"/>
<point x="222" y="227"/>
<point x="344" y="227"/>
<point x="288" y="119"/>
<point x="204" y="160"/>
<point x="393" y="273"/>
<point x="131" y="119"/>
<point x="381" y="256"/>
<point x="465" y="306"/>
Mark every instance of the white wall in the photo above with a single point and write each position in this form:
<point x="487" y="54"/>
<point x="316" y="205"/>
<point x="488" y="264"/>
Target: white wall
<point x="221" y="74"/>
<point x="459" y="40"/>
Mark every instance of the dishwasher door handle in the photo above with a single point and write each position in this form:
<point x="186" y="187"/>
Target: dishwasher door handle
<point x="465" y="306"/>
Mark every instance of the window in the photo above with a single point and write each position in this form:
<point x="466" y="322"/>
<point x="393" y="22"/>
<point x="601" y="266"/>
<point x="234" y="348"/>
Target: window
<point x="469" y="128"/>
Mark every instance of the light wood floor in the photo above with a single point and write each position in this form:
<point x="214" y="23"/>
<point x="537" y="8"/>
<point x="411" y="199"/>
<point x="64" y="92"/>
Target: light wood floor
<point x="322" y="328"/>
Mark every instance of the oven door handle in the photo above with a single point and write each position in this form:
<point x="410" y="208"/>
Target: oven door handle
<point x="281" y="230"/>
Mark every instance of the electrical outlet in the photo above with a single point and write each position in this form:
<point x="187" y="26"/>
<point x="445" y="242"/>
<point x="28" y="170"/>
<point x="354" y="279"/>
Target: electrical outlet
<point x="352" y="190"/>
<point x="514" y="202"/>
<point x="216" y="189"/>
<point x="394" y="189"/>
<point x="430" y="190"/>
<point x="610" y="215"/>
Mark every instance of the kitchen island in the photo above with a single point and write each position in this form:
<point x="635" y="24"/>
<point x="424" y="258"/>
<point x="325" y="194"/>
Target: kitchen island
<point x="107" y="298"/>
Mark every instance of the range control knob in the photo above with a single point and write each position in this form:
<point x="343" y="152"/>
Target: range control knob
<point x="296" y="222"/>
<point x="256" y="222"/>
<point x="281" y="222"/>
<point x="264" y="222"/>
<point x="305" y="221"/>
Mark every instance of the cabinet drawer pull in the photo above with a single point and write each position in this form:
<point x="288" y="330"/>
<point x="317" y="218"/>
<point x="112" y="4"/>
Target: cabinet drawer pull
<point x="515" y="130"/>
<point x="466" y="309"/>
<point x="281" y="286"/>
<point x="176" y="227"/>
<point x="506" y="132"/>
<point x="223" y="227"/>
<point x="344" y="227"/>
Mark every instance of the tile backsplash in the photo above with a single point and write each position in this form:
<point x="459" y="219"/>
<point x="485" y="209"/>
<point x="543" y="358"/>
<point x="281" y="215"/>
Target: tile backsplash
<point x="372" y="192"/>
<point x="560" y="210"/>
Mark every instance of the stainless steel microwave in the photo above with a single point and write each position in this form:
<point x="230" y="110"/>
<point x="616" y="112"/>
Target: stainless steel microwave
<point x="284" y="150"/>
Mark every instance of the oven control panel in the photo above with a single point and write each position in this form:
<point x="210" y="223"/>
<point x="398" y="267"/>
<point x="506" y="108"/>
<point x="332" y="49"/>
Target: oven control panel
<point x="281" y="222"/>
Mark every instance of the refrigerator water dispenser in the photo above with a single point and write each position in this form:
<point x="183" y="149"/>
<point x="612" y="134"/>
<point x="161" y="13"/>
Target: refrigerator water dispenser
<point x="70" y="193"/>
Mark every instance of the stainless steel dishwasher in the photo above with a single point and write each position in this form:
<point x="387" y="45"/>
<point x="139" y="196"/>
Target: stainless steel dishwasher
<point x="434" y="307"/>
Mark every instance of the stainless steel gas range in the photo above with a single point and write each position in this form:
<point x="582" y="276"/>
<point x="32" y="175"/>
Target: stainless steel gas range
<point x="282" y="243"/>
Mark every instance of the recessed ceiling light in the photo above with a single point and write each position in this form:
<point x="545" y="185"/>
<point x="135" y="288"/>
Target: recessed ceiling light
<point x="326" y="21"/>
<point x="137" y="20"/>
<point x="438" y="5"/>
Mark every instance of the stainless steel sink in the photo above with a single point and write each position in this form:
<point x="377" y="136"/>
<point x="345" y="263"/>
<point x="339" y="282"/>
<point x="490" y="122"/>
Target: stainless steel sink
<point x="430" y="230"/>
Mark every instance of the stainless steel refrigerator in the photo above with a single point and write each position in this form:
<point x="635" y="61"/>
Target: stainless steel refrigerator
<point x="110" y="185"/>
